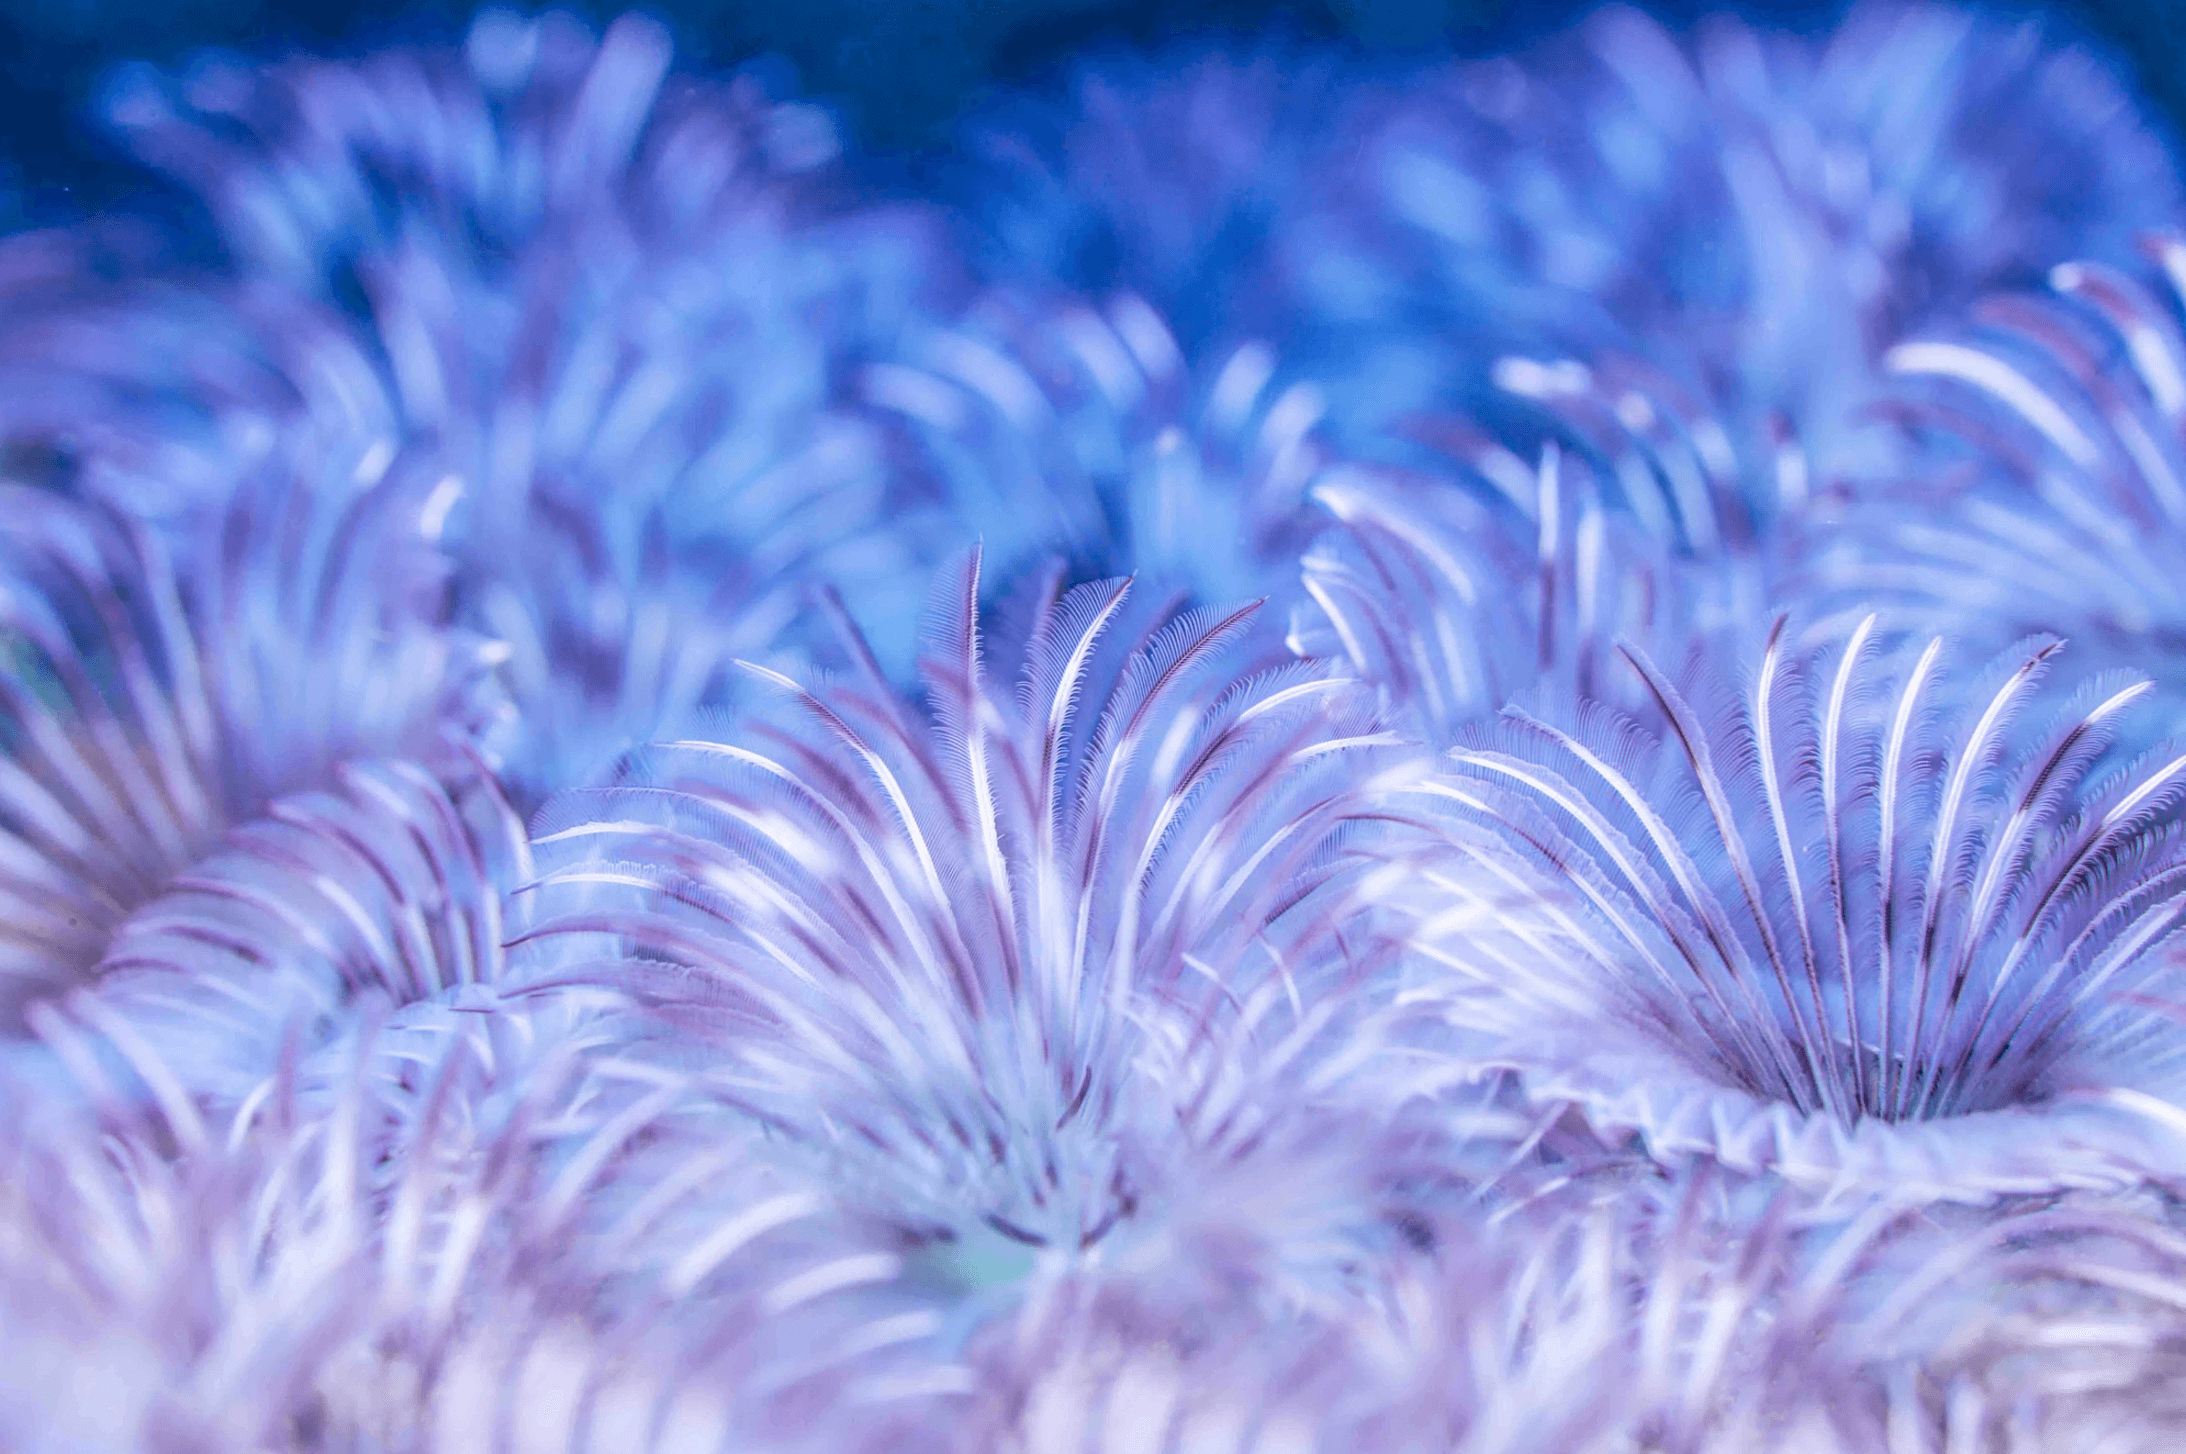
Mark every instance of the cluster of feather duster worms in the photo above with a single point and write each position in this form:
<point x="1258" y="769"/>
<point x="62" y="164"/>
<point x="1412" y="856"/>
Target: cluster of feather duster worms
<point x="1318" y="754"/>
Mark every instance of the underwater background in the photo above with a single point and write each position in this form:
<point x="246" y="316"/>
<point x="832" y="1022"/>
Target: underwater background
<point x="899" y="69"/>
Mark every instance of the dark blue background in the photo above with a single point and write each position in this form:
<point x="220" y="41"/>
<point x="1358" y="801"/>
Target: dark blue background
<point x="898" y="69"/>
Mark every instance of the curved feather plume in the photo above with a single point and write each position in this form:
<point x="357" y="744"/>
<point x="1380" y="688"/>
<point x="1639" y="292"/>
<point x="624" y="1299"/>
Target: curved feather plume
<point x="153" y="704"/>
<point x="2055" y="496"/>
<point x="1769" y="208"/>
<point x="375" y="901"/>
<point x="1005" y="961"/>
<point x="312" y="1269"/>
<point x="1043" y="425"/>
<point x="609" y="301"/>
<point x="1456" y="602"/>
<point x="1854" y="917"/>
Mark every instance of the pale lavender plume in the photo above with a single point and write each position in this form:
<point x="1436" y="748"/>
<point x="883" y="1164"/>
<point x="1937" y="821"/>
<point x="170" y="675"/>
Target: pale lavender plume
<point x="315" y="1273"/>
<point x="609" y="302"/>
<point x="1020" y="970"/>
<point x="1853" y="915"/>
<point x="153" y="703"/>
<point x="2053" y="437"/>
<point x="1458" y="589"/>
<point x="1040" y="424"/>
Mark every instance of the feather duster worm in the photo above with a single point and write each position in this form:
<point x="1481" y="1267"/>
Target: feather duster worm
<point x="1689" y="1316"/>
<point x="1853" y="918"/>
<point x="610" y="302"/>
<point x="1044" y="425"/>
<point x="1010" y="969"/>
<point x="1457" y="600"/>
<point x="314" y="1272"/>
<point x="2055" y="445"/>
<point x="153" y="704"/>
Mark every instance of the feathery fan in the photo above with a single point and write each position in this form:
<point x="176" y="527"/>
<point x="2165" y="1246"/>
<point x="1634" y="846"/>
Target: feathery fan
<point x="1774" y="209"/>
<point x="2053" y="497"/>
<point x="153" y="703"/>
<point x="1044" y="426"/>
<point x="1456" y="602"/>
<point x="1853" y="919"/>
<point x="609" y="302"/>
<point x="1010" y="967"/>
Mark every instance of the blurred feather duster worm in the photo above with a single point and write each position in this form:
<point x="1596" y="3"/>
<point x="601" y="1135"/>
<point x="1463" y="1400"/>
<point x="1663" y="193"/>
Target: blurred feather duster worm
<point x="1180" y="178"/>
<point x="609" y="302"/>
<point x="1709" y="241"/>
<point x="1699" y="1314"/>
<point x="314" y="1273"/>
<point x="1770" y="208"/>
<point x="1041" y="425"/>
<point x="2076" y="1341"/>
<point x="2053" y="439"/>
<point x="1617" y="1313"/>
<point x="1457" y="590"/>
<point x="153" y="704"/>
<point x="1855" y="919"/>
